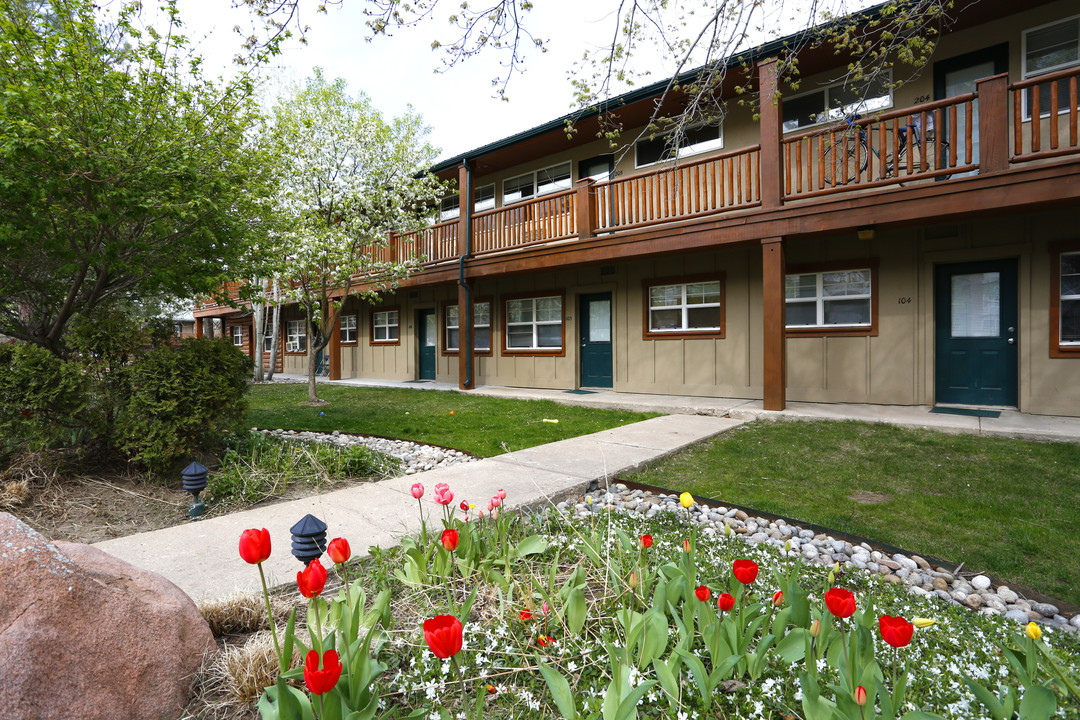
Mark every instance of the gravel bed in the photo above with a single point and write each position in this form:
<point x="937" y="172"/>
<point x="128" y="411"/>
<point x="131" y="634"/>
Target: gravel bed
<point x="415" y="457"/>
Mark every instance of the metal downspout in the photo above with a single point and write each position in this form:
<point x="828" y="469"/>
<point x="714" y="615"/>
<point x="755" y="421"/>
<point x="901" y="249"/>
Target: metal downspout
<point x="466" y="312"/>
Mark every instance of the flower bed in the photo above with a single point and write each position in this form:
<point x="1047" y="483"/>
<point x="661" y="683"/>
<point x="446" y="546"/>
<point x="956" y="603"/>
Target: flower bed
<point x="618" y="616"/>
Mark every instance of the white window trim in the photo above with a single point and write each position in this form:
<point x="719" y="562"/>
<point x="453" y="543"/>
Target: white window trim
<point x="1025" y="110"/>
<point x="534" y="323"/>
<point x="385" y="325"/>
<point x="535" y="174"/>
<point x="828" y="111"/>
<point x="686" y="151"/>
<point x="268" y="337"/>
<point x="819" y="300"/>
<point x="1062" y="297"/>
<point x="684" y="308"/>
<point x="449" y="327"/>
<point x="295" y="332"/>
<point x="237" y="335"/>
<point x="491" y="200"/>
<point x="348" y="328"/>
<point x="452" y="213"/>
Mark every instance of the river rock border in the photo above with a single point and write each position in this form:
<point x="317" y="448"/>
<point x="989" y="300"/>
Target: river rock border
<point x="916" y="573"/>
<point x="414" y="457"/>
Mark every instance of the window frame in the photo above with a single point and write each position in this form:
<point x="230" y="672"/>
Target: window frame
<point x="371" y="326"/>
<point x="535" y="177"/>
<point x="533" y="351"/>
<point x="302" y="344"/>
<point x="684" y="151"/>
<point x="342" y="329"/>
<point x="870" y="330"/>
<point x="1058" y="349"/>
<point x="1026" y="109"/>
<point x="237" y="333"/>
<point x="476" y="201"/>
<point x="450" y="208"/>
<point x="648" y="333"/>
<point x="453" y="352"/>
<point x="825" y="110"/>
<point x="268" y="337"/>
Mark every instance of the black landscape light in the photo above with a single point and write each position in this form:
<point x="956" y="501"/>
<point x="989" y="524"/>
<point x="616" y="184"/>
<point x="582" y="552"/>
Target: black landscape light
<point x="308" y="539"/>
<point x="194" y="481"/>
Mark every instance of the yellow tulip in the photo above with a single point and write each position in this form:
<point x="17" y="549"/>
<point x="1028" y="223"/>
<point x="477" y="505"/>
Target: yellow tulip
<point x="922" y="622"/>
<point x="686" y="499"/>
<point x="1033" y="631"/>
<point x="634" y="580"/>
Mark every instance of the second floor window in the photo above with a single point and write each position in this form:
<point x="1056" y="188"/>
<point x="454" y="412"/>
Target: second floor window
<point x="517" y="189"/>
<point x="384" y="326"/>
<point x="484" y="198"/>
<point x="553" y="179"/>
<point x="534" y="323"/>
<point x="839" y="298"/>
<point x="449" y="208"/>
<point x="702" y="138"/>
<point x="348" y="328"/>
<point x="296" y="336"/>
<point x="1047" y="49"/>
<point x="835" y="102"/>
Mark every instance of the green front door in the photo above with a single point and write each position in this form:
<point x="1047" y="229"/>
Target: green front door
<point x="975" y="340"/>
<point x="595" y="314"/>
<point x="425" y="337"/>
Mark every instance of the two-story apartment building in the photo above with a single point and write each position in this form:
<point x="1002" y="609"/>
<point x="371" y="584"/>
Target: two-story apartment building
<point x="927" y="253"/>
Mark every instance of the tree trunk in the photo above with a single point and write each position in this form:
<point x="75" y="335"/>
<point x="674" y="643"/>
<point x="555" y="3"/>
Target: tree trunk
<point x="259" y="327"/>
<point x="274" y="332"/>
<point x="311" y="355"/>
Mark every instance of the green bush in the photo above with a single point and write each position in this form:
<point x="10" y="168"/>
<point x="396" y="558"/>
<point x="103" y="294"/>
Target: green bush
<point x="43" y="398"/>
<point x="182" y="398"/>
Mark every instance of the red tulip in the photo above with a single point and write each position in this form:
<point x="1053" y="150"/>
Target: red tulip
<point x="339" y="551"/>
<point x="895" y="630"/>
<point x="745" y="571"/>
<point x="464" y="506"/>
<point x="443" y="496"/>
<point x="443" y="635"/>
<point x="417" y="490"/>
<point x="646" y="541"/>
<point x="255" y="545"/>
<point x="526" y="615"/>
<point x="686" y="546"/>
<point x="841" y="602"/>
<point x="543" y="640"/>
<point x="501" y="493"/>
<point x="703" y="593"/>
<point x="312" y="579"/>
<point x="725" y="602"/>
<point x="778" y="598"/>
<point x="450" y="539"/>
<point x="860" y="696"/>
<point x="320" y="682"/>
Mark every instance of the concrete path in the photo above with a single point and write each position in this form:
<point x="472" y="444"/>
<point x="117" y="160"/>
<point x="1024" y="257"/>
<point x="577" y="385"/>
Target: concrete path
<point x="201" y="557"/>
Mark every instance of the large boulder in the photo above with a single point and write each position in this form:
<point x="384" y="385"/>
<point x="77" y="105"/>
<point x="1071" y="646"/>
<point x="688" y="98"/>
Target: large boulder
<point x="85" y="635"/>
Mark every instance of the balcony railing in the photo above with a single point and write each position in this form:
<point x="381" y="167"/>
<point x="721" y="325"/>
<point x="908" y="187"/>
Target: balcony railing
<point x="544" y="219"/>
<point x="432" y="245"/>
<point x="703" y="187"/>
<point x="1057" y="122"/>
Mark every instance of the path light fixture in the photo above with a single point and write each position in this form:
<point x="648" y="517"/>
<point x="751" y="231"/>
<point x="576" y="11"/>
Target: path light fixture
<point x="194" y="482"/>
<point x="308" y="539"/>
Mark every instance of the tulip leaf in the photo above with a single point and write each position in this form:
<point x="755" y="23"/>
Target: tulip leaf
<point x="628" y="704"/>
<point x="666" y="674"/>
<point x="799" y="602"/>
<point x="920" y="715"/>
<point x="624" y="540"/>
<point x="532" y="545"/>
<point x="331" y="706"/>
<point x="1038" y="703"/>
<point x="290" y="639"/>
<point x="987" y="698"/>
<point x="576" y="610"/>
<point x="701" y="678"/>
<point x="655" y="638"/>
<point x="793" y="647"/>
<point x="559" y="689"/>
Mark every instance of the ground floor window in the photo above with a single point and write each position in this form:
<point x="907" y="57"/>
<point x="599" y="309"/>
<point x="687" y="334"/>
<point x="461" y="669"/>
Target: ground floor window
<point x="384" y="326"/>
<point x="296" y="336"/>
<point x="830" y="299"/>
<point x="1065" y="299"/>
<point x="481" y="327"/>
<point x="348" y="328"/>
<point x="679" y="308"/>
<point x="534" y="324"/>
<point x="237" y="335"/>
<point x="268" y="337"/>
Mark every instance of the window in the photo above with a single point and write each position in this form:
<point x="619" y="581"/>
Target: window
<point x="836" y="101"/>
<point x="481" y="328"/>
<point x="598" y="168"/>
<point x="519" y="188"/>
<point x="296" y="336"/>
<point x="682" y="308"/>
<point x="449" y="208"/>
<point x="695" y="140"/>
<point x="237" y="335"/>
<point x="484" y="198"/>
<point x="553" y="179"/>
<point x="268" y="337"/>
<point x="1049" y="48"/>
<point x="1065" y="299"/>
<point x="534" y="325"/>
<point x="833" y="299"/>
<point x="348" y="328"/>
<point x="384" y="326"/>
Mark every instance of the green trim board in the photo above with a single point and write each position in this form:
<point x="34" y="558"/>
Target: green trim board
<point x="973" y="412"/>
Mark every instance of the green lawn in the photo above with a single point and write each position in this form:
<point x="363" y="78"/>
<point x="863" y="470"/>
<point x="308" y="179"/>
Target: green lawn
<point x="1003" y="506"/>
<point x="479" y="425"/>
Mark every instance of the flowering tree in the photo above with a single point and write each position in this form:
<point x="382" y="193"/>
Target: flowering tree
<point x="347" y="178"/>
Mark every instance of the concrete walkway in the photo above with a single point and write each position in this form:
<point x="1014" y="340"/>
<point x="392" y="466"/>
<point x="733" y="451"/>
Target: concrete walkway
<point x="201" y="557"/>
<point x="1010" y="424"/>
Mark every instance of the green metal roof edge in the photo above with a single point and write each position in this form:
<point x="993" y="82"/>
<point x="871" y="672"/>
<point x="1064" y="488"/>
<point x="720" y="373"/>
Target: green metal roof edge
<point x="768" y="49"/>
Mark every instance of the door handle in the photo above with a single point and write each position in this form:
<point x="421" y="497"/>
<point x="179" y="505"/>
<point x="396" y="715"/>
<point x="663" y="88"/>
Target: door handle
<point x="1012" y="329"/>
<point x="1012" y="341"/>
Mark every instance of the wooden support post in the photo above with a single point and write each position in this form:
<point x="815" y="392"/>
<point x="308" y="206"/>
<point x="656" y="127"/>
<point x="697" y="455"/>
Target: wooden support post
<point x="774" y="365"/>
<point x="199" y="327"/>
<point x="772" y="113"/>
<point x="335" y="349"/>
<point x="586" y="208"/>
<point x="465" y="310"/>
<point x="993" y="123"/>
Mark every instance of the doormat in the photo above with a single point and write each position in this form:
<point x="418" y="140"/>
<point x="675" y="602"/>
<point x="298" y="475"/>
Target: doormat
<point x="581" y="392"/>
<point x="967" y="411"/>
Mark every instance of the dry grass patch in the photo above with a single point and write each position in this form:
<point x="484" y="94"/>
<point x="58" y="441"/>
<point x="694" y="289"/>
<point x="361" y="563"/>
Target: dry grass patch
<point x="243" y="613"/>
